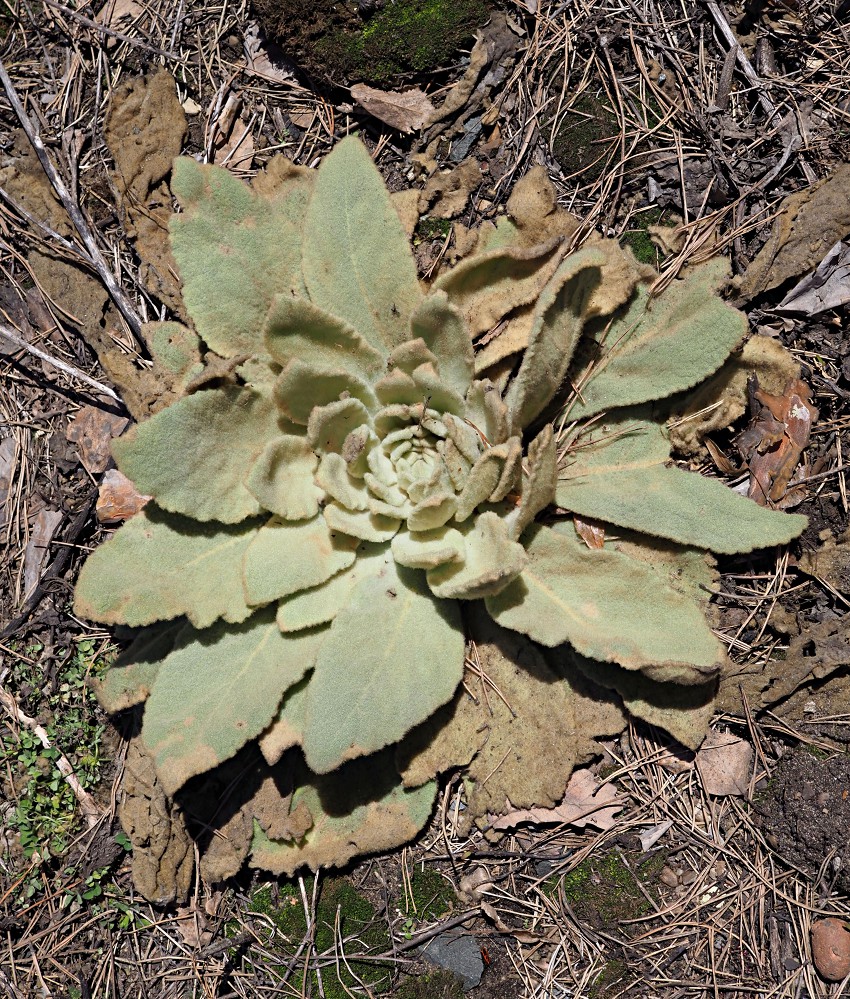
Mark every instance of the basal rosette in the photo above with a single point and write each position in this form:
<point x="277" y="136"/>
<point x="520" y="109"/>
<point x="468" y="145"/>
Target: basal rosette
<point x="339" y="478"/>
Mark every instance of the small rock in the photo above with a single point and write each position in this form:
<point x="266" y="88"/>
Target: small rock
<point x="669" y="878"/>
<point x="831" y="948"/>
<point x="459" y="953"/>
<point x="117" y="498"/>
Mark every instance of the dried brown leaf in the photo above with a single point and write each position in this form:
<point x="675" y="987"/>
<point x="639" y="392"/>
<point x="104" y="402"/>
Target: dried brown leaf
<point x="406" y="111"/>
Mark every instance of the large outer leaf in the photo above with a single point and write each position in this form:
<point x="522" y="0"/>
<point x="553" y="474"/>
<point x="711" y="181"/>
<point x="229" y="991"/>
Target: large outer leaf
<point x="393" y="656"/>
<point x="195" y="456"/>
<point x="442" y="328"/>
<point x="235" y="251"/>
<point x="683" y="711"/>
<point x="487" y="286"/>
<point x="655" y="348"/>
<point x="363" y="808"/>
<point x="556" y="326"/>
<point x="357" y="260"/>
<point x="607" y="606"/>
<point x="159" y="566"/>
<point x="617" y="474"/>
<point x="220" y="690"/>
<point x="129" y="679"/>
<point x="287" y="556"/>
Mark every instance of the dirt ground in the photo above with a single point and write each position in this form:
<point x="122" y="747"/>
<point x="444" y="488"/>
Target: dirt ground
<point x="684" y="129"/>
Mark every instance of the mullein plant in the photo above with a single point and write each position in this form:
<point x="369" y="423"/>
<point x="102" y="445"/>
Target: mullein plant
<point x="340" y="485"/>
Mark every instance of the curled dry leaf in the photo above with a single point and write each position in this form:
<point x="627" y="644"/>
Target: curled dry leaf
<point x="473" y="886"/>
<point x="831" y="948"/>
<point x="591" y="532"/>
<point x="586" y="802"/>
<point x="725" y="763"/>
<point x="92" y="431"/>
<point x="407" y="111"/>
<point x="774" y="442"/>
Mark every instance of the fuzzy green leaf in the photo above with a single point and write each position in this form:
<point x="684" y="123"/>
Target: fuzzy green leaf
<point x="235" y="251"/>
<point x="282" y="479"/>
<point x="538" y="487"/>
<point x="357" y="260"/>
<point x="298" y="329"/>
<point x="288" y="556"/>
<point x="361" y="524"/>
<point x="657" y="347"/>
<point x="617" y="474"/>
<point x="559" y="315"/>
<point x="220" y="690"/>
<point x="330" y="425"/>
<point x="177" y="348"/>
<point x="607" y="606"/>
<point x="442" y="328"/>
<point x="301" y="387"/>
<point x="195" y="456"/>
<point x="130" y="678"/>
<point x="363" y="808"/>
<point x="492" y="561"/>
<point x="392" y="657"/>
<point x="427" y="549"/>
<point x="159" y="566"/>
<point x="321" y="604"/>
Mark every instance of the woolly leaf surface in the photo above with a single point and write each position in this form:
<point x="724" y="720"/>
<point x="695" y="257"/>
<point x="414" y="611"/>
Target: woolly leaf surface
<point x="159" y="566"/>
<point x="492" y="560"/>
<point x="556" y="327"/>
<point x="362" y="808"/>
<point x="357" y="260"/>
<point x="195" y="456"/>
<point x="129" y="679"/>
<point x="443" y="329"/>
<point x="682" y="711"/>
<point x="286" y="556"/>
<point x="589" y="598"/>
<point x="427" y="549"/>
<point x="219" y="690"/>
<point x="235" y="251"/>
<point x="282" y="479"/>
<point x="287" y="727"/>
<point x="538" y="487"/>
<point x="298" y="329"/>
<point x="487" y="286"/>
<point x="656" y="347"/>
<point x="322" y="603"/>
<point x="392" y="657"/>
<point x="618" y="475"/>
<point x="301" y="387"/>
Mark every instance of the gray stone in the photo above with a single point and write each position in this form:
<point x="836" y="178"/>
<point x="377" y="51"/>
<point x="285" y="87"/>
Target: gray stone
<point x="459" y="953"/>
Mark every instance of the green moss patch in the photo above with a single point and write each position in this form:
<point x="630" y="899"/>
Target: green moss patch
<point x="607" y="889"/>
<point x="432" y="896"/>
<point x="284" y="908"/>
<point x="586" y="137"/>
<point x="637" y="236"/>
<point x="331" y="41"/>
<point x="437" y="985"/>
